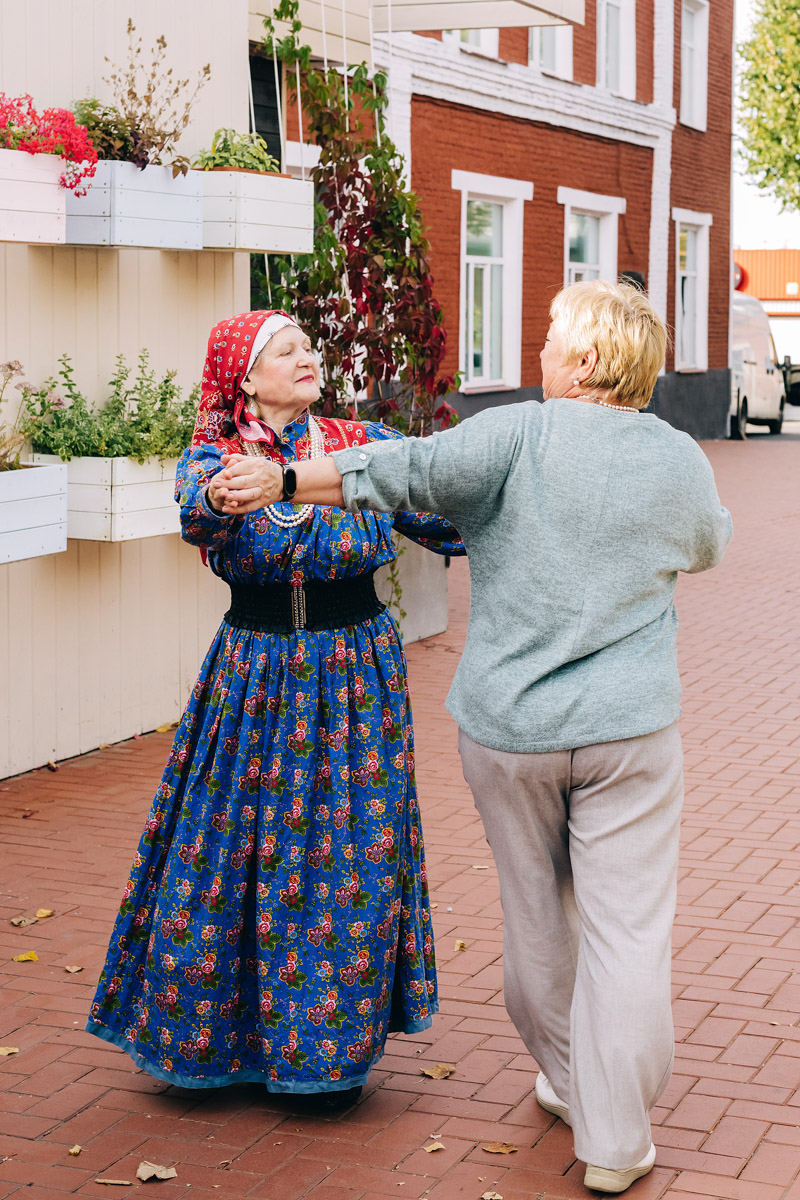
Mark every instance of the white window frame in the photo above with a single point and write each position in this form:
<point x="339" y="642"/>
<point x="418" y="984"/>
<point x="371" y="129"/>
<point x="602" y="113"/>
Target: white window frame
<point x="695" y="115"/>
<point x="593" y="204"/>
<point x="627" y="47"/>
<point x="487" y="41"/>
<point x="701" y="223"/>
<point x="512" y="194"/>
<point x="563" y="68"/>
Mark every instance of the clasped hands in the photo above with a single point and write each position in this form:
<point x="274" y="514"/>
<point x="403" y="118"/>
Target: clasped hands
<point x="245" y="485"/>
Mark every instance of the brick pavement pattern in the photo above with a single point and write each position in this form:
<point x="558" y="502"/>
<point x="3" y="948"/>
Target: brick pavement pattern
<point x="728" y="1126"/>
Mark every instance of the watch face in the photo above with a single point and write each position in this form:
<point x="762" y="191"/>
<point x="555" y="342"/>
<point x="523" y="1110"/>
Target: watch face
<point x="289" y="483"/>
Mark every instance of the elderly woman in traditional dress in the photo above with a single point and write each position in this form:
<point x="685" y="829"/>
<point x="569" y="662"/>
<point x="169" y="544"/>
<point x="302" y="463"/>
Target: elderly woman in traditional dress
<point x="577" y="515"/>
<point x="276" y="924"/>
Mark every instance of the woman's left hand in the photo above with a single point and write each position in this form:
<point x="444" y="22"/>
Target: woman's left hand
<point x="248" y="484"/>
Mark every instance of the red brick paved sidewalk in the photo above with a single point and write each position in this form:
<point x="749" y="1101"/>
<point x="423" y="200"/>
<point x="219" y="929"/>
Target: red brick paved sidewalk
<point x="729" y="1125"/>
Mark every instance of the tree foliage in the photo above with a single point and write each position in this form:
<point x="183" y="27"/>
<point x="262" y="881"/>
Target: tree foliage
<point x="770" y="100"/>
<point x="365" y="295"/>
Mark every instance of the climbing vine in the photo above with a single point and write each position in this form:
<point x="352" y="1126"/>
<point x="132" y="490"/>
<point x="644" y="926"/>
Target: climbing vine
<point x="365" y="294"/>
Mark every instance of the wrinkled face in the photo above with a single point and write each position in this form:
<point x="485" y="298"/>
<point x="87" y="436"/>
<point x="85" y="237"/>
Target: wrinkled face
<point x="557" y="375"/>
<point x="285" y="375"/>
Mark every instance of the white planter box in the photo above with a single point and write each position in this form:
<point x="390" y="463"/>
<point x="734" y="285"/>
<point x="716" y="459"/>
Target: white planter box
<point x="32" y="201"/>
<point x="423" y="579"/>
<point x="33" y="512"/>
<point x="128" y="207"/>
<point x="261" y="213"/>
<point x="117" y="499"/>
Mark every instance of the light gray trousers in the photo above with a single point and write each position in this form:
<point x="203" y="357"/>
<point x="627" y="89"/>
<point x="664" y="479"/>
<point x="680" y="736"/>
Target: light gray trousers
<point x="586" y="846"/>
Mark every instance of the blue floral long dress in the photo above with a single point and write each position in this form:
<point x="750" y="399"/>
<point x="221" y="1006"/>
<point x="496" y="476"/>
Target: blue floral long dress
<point x="276" y="923"/>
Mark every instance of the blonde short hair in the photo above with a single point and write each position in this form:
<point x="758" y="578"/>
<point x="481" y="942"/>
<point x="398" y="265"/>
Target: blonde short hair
<point x="627" y="332"/>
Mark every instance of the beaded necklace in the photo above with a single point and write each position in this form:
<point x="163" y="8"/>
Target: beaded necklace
<point x="316" y="449"/>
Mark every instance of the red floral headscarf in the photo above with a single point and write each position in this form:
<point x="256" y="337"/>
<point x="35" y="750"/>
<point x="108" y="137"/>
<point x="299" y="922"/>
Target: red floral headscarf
<point x="221" y="416"/>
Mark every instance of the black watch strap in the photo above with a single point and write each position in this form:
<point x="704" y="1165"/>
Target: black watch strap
<point x="289" y="483"/>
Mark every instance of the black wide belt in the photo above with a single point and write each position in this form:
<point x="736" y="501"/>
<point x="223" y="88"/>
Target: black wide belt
<point x="318" y="604"/>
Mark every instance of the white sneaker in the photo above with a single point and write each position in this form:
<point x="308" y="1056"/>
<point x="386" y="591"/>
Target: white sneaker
<point x="549" y="1101"/>
<point x="602" y="1179"/>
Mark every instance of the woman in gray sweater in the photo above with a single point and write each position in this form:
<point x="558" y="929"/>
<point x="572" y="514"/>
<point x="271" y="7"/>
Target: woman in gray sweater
<point x="577" y="515"/>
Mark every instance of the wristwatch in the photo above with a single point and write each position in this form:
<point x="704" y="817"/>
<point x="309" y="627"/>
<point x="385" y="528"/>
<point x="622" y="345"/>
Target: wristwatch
<point x="289" y="483"/>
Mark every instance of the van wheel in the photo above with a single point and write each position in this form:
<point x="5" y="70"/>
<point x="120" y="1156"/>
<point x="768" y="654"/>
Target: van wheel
<point x="777" y="426"/>
<point x="739" y="426"/>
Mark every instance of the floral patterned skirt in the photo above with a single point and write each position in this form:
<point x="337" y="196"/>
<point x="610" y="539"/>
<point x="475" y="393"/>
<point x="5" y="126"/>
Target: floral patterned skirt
<point x="276" y="923"/>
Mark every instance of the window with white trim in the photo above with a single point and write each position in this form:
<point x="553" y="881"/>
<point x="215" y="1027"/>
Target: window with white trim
<point x="691" y="289"/>
<point x="483" y="41"/>
<point x="550" y="50"/>
<point x="490" y="312"/>
<point x="591" y="227"/>
<point x="694" y="63"/>
<point x="616" y="47"/>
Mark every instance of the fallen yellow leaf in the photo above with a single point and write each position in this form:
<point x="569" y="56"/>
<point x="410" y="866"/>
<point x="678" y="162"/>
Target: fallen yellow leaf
<point x="41" y="913"/>
<point x="162" y="728"/>
<point x="440" y="1071"/>
<point x="433" y="1146"/>
<point x="28" y="956"/>
<point x="73" y="970"/>
<point x="115" y="1182"/>
<point x="21" y="922"/>
<point x="460" y="945"/>
<point x="148" y="1170"/>
<point x="479" y="867"/>
<point x="75" y="1151"/>
<point x="51" y="766"/>
<point x="5" y="1051"/>
<point x="500" y="1148"/>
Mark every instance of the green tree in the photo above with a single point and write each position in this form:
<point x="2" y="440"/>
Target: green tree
<point x="769" y="120"/>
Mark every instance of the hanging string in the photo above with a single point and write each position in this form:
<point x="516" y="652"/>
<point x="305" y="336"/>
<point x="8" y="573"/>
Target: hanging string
<point x="252" y="103"/>
<point x="324" y="38"/>
<point x="300" y="119"/>
<point x="280" y="105"/>
<point x="372" y="69"/>
<point x="346" y="67"/>
<point x="269" y="286"/>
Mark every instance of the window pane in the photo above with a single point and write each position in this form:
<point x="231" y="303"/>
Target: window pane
<point x="584" y="239"/>
<point x="612" y="46"/>
<point x="688" y="320"/>
<point x="688" y="25"/>
<point x="477" y="320"/>
<point x="687" y="82"/>
<point x="484" y="228"/>
<point x="688" y="248"/>
<point x="496" y="323"/>
<point x="471" y="37"/>
<point x="547" y="47"/>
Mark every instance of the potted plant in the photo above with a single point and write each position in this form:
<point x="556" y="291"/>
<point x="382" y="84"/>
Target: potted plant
<point x="43" y="156"/>
<point x="135" y="199"/>
<point x="121" y="457"/>
<point x="247" y="203"/>
<point x="33" y="499"/>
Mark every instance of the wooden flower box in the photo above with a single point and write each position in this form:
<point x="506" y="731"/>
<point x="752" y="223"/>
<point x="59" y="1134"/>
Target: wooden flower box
<point x="32" y="201"/>
<point x="128" y="207"/>
<point x="247" y="210"/>
<point x="33" y="511"/>
<point x="117" y="499"/>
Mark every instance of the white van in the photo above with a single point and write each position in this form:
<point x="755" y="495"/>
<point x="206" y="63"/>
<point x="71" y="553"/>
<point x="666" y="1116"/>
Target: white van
<point x="758" y="394"/>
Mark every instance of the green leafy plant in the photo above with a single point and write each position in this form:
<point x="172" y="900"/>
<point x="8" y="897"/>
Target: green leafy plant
<point x="111" y="135"/>
<point x="769" y="104"/>
<point x="248" y="151"/>
<point x="143" y="416"/>
<point x="11" y="439"/>
<point x="154" y="105"/>
<point x="365" y="294"/>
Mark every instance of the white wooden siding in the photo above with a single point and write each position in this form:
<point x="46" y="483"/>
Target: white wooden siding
<point x="105" y="640"/>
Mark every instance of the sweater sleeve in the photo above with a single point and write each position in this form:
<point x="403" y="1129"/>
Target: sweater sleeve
<point x="457" y="473"/>
<point x="713" y="526"/>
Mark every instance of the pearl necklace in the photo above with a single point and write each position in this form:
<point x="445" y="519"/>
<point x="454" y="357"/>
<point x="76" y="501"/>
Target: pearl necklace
<point x="316" y="450"/>
<point x="617" y="407"/>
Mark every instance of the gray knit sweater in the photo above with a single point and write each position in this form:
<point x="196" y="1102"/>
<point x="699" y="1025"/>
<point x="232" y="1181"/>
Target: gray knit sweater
<point x="576" y="519"/>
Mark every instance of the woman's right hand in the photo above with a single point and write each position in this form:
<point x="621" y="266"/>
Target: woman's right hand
<point x="245" y="485"/>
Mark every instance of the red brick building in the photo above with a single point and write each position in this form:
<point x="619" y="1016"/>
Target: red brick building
<point x="546" y="155"/>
